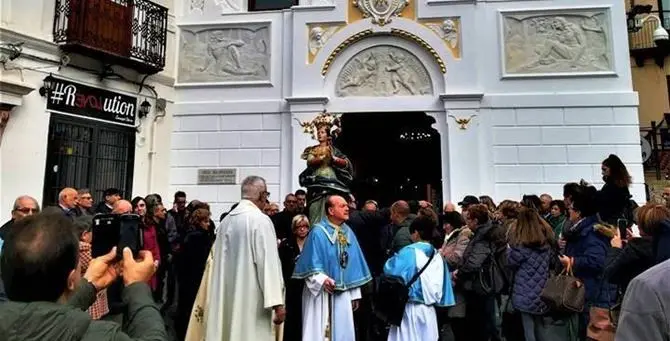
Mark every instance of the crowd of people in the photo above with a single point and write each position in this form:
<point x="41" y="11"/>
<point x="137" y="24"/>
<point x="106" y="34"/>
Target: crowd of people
<point x="476" y="270"/>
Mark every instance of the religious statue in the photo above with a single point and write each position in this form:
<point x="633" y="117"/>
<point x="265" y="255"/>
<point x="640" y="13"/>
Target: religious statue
<point x="328" y="170"/>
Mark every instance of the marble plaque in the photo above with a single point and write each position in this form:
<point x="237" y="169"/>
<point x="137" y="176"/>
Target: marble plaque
<point x="222" y="176"/>
<point x="383" y="71"/>
<point x="224" y="54"/>
<point x="557" y="42"/>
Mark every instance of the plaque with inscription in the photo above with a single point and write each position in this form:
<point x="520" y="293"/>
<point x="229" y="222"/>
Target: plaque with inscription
<point x="220" y="176"/>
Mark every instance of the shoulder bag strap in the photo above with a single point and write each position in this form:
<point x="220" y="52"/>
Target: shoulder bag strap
<point x="418" y="274"/>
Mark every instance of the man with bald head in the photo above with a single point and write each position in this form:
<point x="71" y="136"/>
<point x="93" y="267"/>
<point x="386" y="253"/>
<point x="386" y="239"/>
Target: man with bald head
<point x="400" y="216"/>
<point x="334" y="270"/>
<point x="24" y="206"/>
<point x="122" y="207"/>
<point x="449" y="207"/>
<point x="67" y="201"/>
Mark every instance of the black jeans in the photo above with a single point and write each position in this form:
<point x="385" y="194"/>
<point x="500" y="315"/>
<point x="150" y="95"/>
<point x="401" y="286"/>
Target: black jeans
<point x="481" y="318"/>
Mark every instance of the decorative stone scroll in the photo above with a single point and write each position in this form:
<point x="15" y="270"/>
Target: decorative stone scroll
<point x="224" y="54"/>
<point x="557" y="42"/>
<point x="383" y="71"/>
<point x="380" y="11"/>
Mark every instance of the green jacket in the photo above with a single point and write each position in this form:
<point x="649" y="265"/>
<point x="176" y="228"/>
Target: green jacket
<point x="50" y="321"/>
<point x="403" y="238"/>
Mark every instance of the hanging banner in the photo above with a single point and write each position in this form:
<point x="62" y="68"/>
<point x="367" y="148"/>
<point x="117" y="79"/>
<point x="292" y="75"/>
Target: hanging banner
<point x="82" y="100"/>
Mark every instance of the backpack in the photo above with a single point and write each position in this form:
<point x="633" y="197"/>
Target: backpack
<point x="492" y="277"/>
<point x="392" y="295"/>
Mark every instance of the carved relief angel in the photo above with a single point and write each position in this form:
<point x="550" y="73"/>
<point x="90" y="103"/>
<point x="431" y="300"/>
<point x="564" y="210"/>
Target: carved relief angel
<point x="447" y="30"/>
<point x="318" y="36"/>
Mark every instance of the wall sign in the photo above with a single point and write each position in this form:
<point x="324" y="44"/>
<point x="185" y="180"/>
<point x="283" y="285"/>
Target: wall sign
<point x="83" y="100"/>
<point x="221" y="176"/>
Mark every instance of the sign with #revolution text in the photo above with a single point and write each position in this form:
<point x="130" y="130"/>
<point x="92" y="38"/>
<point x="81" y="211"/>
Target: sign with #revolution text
<point x="81" y="100"/>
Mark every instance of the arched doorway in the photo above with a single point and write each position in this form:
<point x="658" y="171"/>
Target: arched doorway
<point x="396" y="155"/>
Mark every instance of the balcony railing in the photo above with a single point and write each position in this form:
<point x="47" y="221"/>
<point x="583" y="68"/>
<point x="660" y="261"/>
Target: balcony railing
<point x="130" y="33"/>
<point x="643" y="39"/>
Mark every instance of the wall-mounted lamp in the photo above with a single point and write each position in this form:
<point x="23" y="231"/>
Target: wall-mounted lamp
<point x="144" y="110"/>
<point x="48" y="86"/>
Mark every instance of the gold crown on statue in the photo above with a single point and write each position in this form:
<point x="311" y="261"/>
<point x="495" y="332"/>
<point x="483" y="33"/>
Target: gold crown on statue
<point x="332" y="121"/>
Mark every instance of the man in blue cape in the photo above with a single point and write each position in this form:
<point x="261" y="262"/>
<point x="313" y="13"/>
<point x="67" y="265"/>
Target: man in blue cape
<point x="333" y="267"/>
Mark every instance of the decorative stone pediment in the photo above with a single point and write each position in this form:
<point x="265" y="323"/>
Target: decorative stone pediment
<point x="383" y="71"/>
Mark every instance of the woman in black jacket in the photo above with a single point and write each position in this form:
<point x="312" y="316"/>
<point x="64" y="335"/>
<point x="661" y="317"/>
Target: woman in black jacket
<point x="488" y="239"/>
<point x="192" y="261"/>
<point x="625" y="262"/>
<point x="614" y="198"/>
<point x="289" y="252"/>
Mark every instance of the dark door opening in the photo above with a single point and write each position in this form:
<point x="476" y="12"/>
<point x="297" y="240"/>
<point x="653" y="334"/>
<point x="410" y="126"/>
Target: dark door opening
<point x="84" y="153"/>
<point x="395" y="156"/>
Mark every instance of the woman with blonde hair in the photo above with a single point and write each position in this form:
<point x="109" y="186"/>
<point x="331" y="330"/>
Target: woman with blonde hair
<point x="289" y="252"/>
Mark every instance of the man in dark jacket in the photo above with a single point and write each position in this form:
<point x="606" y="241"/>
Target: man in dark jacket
<point x="40" y="270"/>
<point x="111" y="196"/>
<point x="283" y="220"/>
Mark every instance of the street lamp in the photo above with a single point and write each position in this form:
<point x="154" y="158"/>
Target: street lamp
<point x="48" y="85"/>
<point x="145" y="107"/>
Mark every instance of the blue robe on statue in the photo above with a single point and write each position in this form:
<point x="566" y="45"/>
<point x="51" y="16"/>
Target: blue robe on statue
<point x="330" y="252"/>
<point x="433" y="288"/>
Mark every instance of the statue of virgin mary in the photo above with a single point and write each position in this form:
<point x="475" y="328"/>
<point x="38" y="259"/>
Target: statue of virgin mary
<point x="328" y="170"/>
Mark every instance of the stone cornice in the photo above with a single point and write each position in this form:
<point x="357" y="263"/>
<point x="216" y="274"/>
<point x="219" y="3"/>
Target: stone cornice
<point x="11" y="93"/>
<point x="307" y="100"/>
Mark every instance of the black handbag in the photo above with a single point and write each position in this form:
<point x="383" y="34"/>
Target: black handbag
<point x="392" y="295"/>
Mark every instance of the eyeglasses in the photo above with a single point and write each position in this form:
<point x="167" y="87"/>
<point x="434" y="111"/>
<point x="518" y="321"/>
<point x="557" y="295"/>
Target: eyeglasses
<point x="27" y="210"/>
<point x="86" y="198"/>
<point x="302" y="226"/>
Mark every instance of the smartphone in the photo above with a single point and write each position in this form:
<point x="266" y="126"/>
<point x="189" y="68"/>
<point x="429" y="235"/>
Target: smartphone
<point x="130" y="235"/>
<point x="110" y="230"/>
<point x="105" y="233"/>
<point x="622" y="224"/>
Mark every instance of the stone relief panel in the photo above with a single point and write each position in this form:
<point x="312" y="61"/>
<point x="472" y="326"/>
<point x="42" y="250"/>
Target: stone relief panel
<point x="230" y="6"/>
<point x="449" y="29"/>
<point x="224" y="54"/>
<point x="318" y="37"/>
<point x="383" y="71"/>
<point x="578" y="41"/>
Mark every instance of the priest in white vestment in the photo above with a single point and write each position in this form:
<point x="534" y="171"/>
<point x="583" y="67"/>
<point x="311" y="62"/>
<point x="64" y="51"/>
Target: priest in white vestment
<point x="433" y="288"/>
<point x="246" y="282"/>
<point x="334" y="269"/>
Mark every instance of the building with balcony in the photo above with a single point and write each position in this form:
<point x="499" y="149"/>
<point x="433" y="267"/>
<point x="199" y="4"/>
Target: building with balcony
<point x="470" y="97"/>
<point x="651" y="79"/>
<point x="86" y="93"/>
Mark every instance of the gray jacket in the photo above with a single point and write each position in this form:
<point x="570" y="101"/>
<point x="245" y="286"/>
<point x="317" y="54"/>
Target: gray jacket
<point x="645" y="313"/>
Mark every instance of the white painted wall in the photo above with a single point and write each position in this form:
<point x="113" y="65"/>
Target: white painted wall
<point x="529" y="136"/>
<point x="23" y="148"/>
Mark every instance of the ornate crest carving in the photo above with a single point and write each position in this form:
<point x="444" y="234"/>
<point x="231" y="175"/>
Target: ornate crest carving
<point x="381" y="11"/>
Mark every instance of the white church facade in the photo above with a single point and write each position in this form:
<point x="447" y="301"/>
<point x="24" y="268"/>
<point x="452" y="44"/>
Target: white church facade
<point x="525" y="95"/>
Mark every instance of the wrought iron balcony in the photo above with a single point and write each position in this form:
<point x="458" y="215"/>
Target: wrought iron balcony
<point x="641" y="42"/>
<point x="130" y="33"/>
